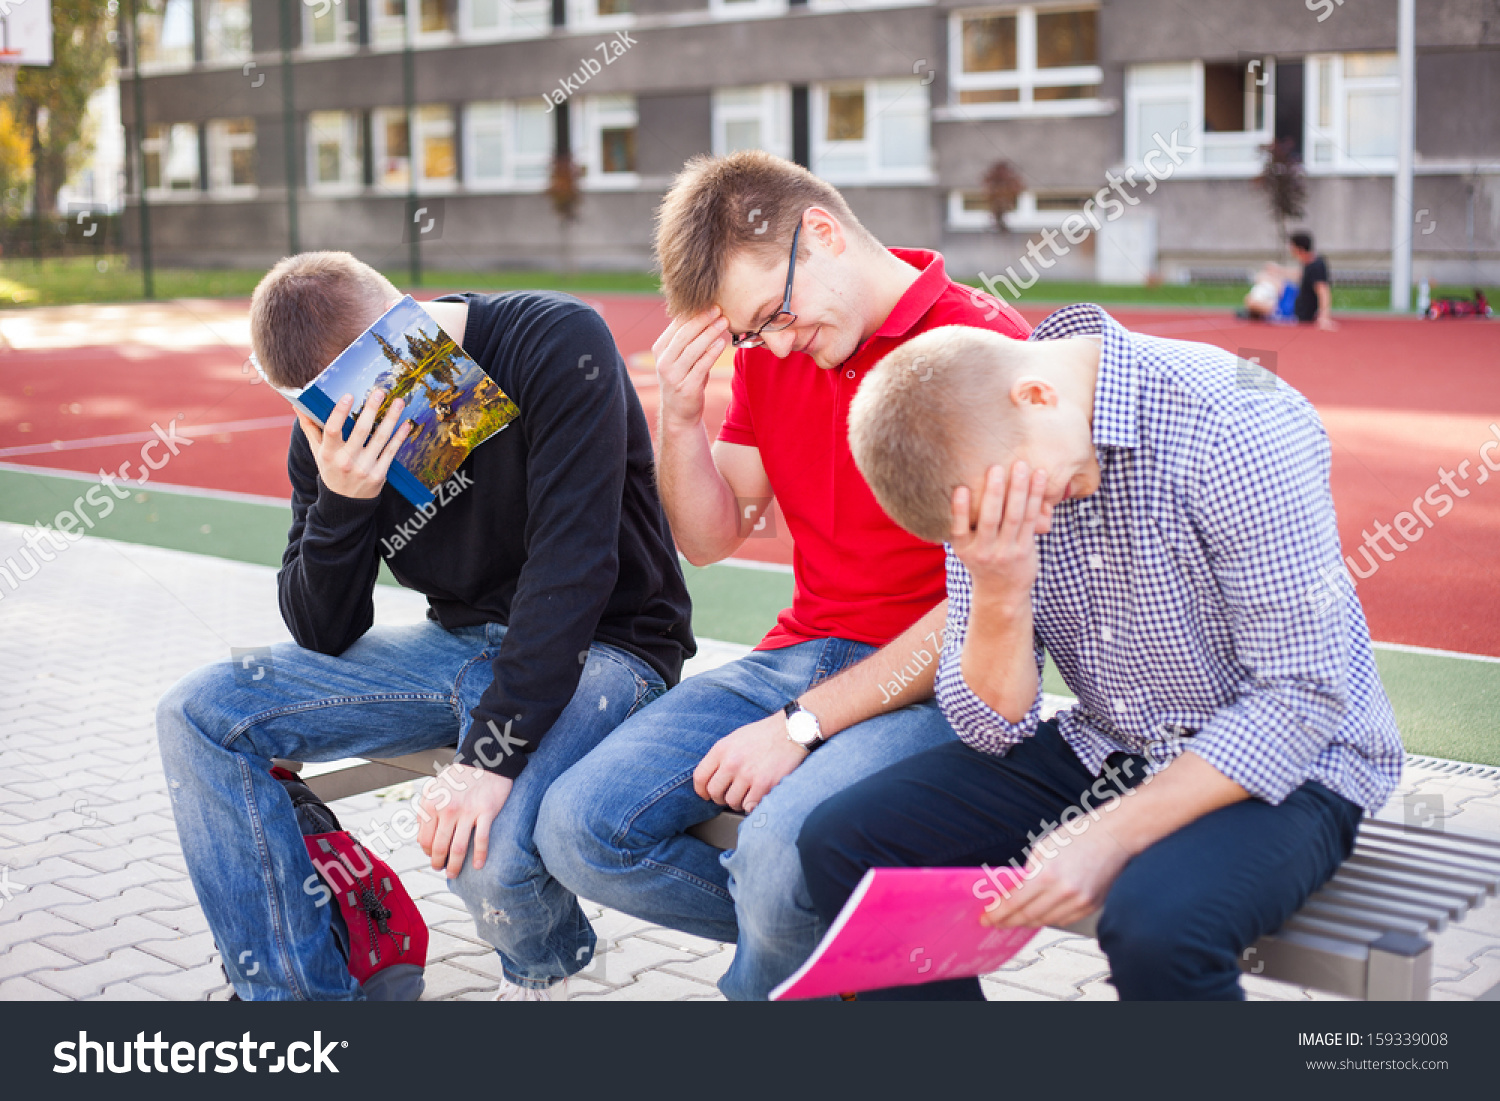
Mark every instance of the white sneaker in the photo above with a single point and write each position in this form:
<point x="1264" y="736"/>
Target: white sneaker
<point x="513" y="992"/>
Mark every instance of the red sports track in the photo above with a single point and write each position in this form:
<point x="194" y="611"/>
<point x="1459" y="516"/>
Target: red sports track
<point x="1403" y="400"/>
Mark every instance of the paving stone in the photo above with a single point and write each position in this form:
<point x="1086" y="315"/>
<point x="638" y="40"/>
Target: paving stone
<point x="706" y="969"/>
<point x="654" y="986"/>
<point x="27" y="958"/>
<point x="33" y="926"/>
<point x="107" y="884"/>
<point x="96" y="944"/>
<point x="1059" y="973"/>
<point x="96" y="914"/>
<point x="127" y="992"/>
<point x="24" y="990"/>
<point x="186" y="951"/>
<point x="194" y="985"/>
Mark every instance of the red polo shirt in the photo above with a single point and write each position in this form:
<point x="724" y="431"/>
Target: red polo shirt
<point x="858" y="576"/>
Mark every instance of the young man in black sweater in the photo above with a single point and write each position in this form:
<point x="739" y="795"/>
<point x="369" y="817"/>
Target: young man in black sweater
<point x="556" y="608"/>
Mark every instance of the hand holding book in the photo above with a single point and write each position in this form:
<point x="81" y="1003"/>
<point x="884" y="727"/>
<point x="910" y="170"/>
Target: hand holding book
<point x="357" y="466"/>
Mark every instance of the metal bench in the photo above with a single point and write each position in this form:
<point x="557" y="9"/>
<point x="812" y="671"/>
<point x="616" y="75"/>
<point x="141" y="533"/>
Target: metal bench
<point x="1366" y="934"/>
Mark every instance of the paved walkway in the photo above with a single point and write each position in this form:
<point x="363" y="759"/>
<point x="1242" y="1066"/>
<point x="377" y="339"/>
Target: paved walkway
<point x="95" y="901"/>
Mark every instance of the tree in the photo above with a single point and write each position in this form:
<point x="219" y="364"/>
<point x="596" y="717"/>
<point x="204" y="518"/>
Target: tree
<point x="563" y="190"/>
<point x="15" y="164"/>
<point x="51" y="102"/>
<point x="1003" y="185"/>
<point x="1284" y="181"/>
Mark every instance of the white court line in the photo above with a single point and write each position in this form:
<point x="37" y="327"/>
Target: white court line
<point x="156" y="487"/>
<point x="142" y="437"/>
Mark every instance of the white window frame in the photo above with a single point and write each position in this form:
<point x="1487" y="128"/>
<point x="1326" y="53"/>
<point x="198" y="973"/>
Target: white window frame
<point x="176" y="65"/>
<point x="583" y="15"/>
<point x="1228" y="155"/>
<point x="773" y="111"/>
<point x="527" y="19"/>
<point x="1337" y="133"/>
<point x="162" y="193"/>
<point x="221" y="144"/>
<point x="594" y="115"/>
<point x="967" y="221"/>
<point x="747" y="9"/>
<point x="351" y="154"/>
<point x="1025" y="78"/>
<point x="860" y="5"/>
<point x="413" y="25"/>
<point x="214" y="53"/>
<point x="1025" y="218"/>
<point x="415" y="149"/>
<point x="504" y="116"/>
<point x="347" y="19"/>
<point x="872" y="173"/>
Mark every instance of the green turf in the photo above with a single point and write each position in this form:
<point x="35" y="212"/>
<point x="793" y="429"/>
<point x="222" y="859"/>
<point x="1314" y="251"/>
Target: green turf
<point x="1445" y="707"/>
<point x="77" y="279"/>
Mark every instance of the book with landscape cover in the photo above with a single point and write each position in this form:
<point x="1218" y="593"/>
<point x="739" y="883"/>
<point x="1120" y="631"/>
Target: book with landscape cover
<point x="904" y="926"/>
<point x="453" y="406"/>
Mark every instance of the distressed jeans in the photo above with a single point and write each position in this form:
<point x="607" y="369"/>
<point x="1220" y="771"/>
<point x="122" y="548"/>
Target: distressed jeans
<point x="397" y="690"/>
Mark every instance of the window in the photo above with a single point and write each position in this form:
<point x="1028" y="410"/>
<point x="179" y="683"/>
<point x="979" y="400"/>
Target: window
<point x="745" y="9"/>
<point x="970" y="210"/>
<point x="605" y="141"/>
<point x="505" y="18"/>
<point x="1024" y="61"/>
<point x="509" y="145"/>
<point x="757" y="117"/>
<point x="1222" y="114"/>
<point x="427" y="21"/>
<point x="335" y="151"/>
<point x="584" y="14"/>
<point x="872" y="132"/>
<point x="231" y="156"/>
<point x="170" y="153"/>
<point x="226" y="30"/>
<point x="435" y="148"/>
<point x="165" y="34"/>
<point x="334" y="30"/>
<point x="1352" y="107"/>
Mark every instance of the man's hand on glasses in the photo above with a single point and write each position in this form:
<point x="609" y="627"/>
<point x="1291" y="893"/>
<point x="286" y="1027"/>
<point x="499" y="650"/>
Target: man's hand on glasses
<point x="685" y="353"/>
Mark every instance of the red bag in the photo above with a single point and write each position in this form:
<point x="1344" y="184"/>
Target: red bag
<point x="377" y="926"/>
<point x="387" y="947"/>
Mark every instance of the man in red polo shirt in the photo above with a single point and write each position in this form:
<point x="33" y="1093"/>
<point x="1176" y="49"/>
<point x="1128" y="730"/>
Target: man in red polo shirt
<point x="758" y="253"/>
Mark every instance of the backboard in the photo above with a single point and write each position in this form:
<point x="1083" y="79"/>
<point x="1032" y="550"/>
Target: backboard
<point x="26" y="32"/>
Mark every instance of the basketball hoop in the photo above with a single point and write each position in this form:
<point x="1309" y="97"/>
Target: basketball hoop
<point x="9" y="65"/>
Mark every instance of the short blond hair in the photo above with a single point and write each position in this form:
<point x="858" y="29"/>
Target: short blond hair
<point x="928" y="409"/>
<point x="722" y="207"/>
<point x="309" y="308"/>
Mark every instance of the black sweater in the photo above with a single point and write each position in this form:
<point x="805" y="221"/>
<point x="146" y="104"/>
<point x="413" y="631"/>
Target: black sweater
<point x="554" y="528"/>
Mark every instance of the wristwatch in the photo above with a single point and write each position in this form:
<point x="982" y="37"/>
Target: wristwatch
<point x="802" y="726"/>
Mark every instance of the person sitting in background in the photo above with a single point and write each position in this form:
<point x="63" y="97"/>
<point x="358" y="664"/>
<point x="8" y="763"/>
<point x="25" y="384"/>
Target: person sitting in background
<point x="1126" y="504"/>
<point x="1266" y="299"/>
<point x="1315" y="296"/>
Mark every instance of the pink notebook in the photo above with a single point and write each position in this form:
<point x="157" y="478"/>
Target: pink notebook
<point x="903" y="926"/>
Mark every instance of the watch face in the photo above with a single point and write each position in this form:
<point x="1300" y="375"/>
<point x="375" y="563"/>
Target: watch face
<point x="802" y="728"/>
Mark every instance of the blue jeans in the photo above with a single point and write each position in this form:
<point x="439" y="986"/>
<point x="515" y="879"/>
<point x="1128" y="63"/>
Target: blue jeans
<point x="611" y="829"/>
<point x="1176" y="919"/>
<point x="397" y="690"/>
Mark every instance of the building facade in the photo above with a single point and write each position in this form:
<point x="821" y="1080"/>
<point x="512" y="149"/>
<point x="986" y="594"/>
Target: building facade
<point x="366" y="124"/>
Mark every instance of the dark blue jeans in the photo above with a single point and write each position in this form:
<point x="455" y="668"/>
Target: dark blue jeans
<point x="1177" y="918"/>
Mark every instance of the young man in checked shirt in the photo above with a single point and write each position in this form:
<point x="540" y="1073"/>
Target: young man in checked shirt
<point x="1154" y="518"/>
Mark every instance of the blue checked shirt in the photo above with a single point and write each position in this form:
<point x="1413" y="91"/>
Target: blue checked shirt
<point x="1183" y="602"/>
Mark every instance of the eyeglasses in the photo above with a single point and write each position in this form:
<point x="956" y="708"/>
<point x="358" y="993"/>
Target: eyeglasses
<point x="782" y="317"/>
